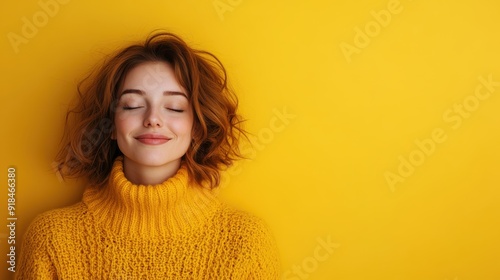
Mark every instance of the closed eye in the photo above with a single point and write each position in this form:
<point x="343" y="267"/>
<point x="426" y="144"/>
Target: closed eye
<point x="131" y="108"/>
<point x="175" y="110"/>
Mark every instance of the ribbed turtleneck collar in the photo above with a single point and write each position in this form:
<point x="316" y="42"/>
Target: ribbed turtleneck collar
<point x="138" y="210"/>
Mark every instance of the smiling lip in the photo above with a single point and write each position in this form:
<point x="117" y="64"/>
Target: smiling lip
<point x="152" y="139"/>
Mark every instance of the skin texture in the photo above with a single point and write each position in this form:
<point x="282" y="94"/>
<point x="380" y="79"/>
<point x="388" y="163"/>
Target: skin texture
<point x="152" y="105"/>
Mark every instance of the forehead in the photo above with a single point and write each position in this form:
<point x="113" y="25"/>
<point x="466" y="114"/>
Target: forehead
<point x="151" y="77"/>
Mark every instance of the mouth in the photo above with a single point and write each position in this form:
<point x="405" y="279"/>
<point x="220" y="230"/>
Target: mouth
<point x="152" y="139"/>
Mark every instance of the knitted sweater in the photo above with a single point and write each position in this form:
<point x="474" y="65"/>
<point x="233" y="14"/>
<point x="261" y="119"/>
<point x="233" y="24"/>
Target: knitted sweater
<point x="166" y="231"/>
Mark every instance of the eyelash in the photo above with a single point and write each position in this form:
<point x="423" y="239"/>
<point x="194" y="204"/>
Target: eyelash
<point x="132" y="108"/>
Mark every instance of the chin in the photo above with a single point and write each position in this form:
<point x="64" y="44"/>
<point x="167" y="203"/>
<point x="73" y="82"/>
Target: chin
<point x="158" y="160"/>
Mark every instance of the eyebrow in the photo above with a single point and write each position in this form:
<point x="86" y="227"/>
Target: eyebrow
<point x="141" y="92"/>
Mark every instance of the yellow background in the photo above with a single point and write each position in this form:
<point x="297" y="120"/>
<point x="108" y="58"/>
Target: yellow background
<point x="321" y="174"/>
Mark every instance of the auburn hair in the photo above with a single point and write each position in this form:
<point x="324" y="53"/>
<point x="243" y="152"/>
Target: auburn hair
<point x="87" y="149"/>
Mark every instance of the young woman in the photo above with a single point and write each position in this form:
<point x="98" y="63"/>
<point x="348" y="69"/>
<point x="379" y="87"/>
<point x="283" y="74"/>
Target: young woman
<point x="153" y="128"/>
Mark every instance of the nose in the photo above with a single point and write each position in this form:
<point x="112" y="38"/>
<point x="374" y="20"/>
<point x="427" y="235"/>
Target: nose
<point x="153" y="118"/>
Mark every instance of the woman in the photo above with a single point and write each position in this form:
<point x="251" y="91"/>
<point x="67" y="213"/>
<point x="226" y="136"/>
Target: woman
<point x="152" y="130"/>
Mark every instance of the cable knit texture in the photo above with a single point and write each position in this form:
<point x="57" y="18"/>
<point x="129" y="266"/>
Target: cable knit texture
<point x="166" y="231"/>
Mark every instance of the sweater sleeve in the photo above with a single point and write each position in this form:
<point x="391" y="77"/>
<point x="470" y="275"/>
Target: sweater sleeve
<point x="35" y="261"/>
<point x="267" y="263"/>
<point x="262" y="256"/>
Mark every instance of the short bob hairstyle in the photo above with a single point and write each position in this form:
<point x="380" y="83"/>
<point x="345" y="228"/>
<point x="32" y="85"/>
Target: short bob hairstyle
<point x="87" y="150"/>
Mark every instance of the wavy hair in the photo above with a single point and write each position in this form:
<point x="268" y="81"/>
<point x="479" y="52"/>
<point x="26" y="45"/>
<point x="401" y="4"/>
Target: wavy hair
<point x="87" y="149"/>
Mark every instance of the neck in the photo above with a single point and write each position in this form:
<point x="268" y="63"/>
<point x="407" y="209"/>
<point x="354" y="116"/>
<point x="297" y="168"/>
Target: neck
<point x="140" y="174"/>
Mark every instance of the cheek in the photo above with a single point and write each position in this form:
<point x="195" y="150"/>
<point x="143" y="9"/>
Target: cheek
<point x="182" y="127"/>
<point x="123" y="124"/>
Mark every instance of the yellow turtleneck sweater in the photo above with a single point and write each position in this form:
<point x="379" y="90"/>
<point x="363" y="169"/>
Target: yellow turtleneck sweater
<point x="165" y="231"/>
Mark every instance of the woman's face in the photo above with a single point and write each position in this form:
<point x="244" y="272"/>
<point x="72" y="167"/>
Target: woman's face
<point x="153" y="120"/>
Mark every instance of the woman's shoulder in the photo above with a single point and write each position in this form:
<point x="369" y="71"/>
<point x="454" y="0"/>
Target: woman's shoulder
<point x="56" y="218"/>
<point x="67" y="212"/>
<point x="249" y="238"/>
<point x="238" y="220"/>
